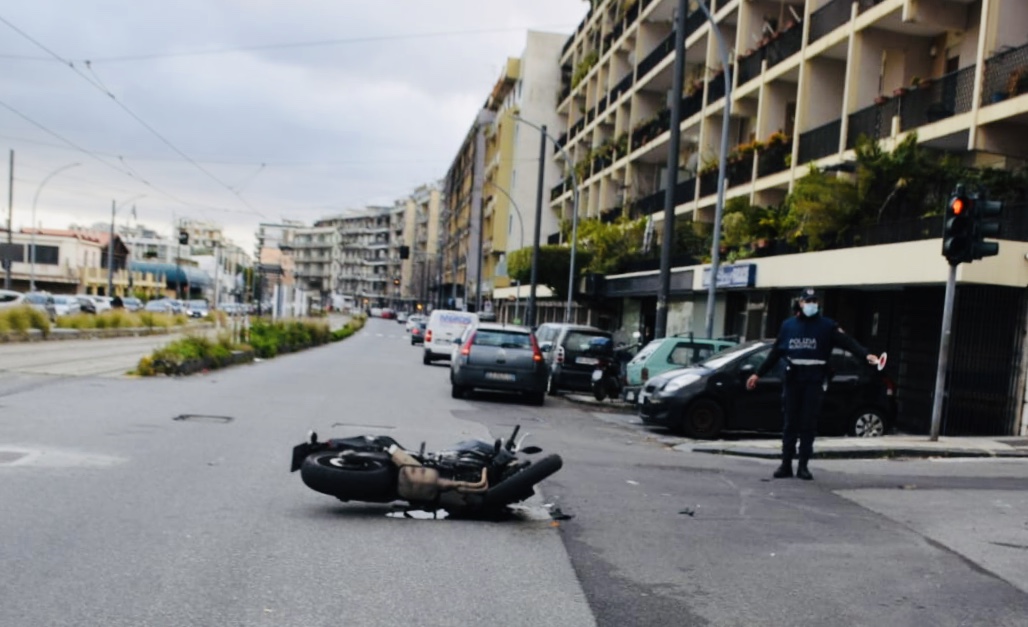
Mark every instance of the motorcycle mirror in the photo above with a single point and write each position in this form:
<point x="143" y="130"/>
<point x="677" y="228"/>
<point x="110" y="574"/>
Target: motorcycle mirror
<point x="531" y="450"/>
<point x="313" y="437"/>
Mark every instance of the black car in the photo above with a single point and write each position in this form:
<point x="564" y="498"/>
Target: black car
<point x="417" y="332"/>
<point x="499" y="357"/>
<point x="571" y="354"/>
<point x="703" y="400"/>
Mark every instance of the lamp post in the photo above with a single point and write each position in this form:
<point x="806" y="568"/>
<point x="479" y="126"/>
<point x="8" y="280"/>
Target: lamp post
<point x="719" y="208"/>
<point x="32" y="245"/>
<point x="110" y="245"/>
<point x="574" y="222"/>
<point x="521" y="231"/>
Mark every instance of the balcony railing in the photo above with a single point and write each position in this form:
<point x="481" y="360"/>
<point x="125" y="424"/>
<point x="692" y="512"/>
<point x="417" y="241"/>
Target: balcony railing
<point x="771" y="160"/>
<point x="663" y="49"/>
<point x="694" y="21"/>
<point x="691" y="105"/>
<point x="716" y="88"/>
<point x="1006" y="75"/>
<point x="819" y="142"/>
<point x="740" y="172"/>
<point x="708" y="183"/>
<point x="750" y="66"/>
<point x="685" y="191"/>
<point x="944" y="97"/>
<point x="622" y="86"/>
<point x="828" y="18"/>
<point x="652" y="129"/>
<point x="865" y="5"/>
<point x="787" y="44"/>
<point x="875" y="122"/>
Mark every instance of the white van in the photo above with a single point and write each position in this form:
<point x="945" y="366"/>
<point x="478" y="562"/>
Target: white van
<point x="443" y="329"/>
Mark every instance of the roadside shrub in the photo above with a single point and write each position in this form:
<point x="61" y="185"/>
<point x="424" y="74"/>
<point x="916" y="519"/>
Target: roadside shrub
<point x="21" y="319"/>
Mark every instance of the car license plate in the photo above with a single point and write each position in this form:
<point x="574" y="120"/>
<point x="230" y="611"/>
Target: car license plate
<point x="587" y="361"/>
<point x="499" y="376"/>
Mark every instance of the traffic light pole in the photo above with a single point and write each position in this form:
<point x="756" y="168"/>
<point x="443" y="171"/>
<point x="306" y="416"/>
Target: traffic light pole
<point x="943" y="367"/>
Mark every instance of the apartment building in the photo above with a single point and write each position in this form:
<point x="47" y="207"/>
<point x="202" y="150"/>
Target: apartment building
<point x="492" y="184"/>
<point x="369" y="256"/>
<point x="807" y="78"/>
<point x="419" y="273"/>
<point x="317" y="255"/>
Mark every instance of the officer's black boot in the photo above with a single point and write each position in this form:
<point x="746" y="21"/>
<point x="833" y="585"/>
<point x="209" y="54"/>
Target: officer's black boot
<point x="784" y="471"/>
<point x="802" y="472"/>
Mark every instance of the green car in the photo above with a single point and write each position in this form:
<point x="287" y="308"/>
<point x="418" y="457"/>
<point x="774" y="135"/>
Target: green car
<point x="669" y="353"/>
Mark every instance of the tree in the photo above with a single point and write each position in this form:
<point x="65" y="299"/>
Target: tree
<point x="554" y="267"/>
<point x="820" y="207"/>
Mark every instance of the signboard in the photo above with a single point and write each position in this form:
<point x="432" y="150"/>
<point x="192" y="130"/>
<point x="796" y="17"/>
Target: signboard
<point x="733" y="275"/>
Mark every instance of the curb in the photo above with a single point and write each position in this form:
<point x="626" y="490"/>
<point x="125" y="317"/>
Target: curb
<point x="861" y="453"/>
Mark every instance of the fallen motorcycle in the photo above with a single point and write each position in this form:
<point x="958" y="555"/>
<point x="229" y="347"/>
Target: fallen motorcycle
<point x="474" y="475"/>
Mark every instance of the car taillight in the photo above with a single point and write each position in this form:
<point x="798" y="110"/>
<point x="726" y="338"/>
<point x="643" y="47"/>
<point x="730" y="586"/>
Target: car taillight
<point x="537" y="355"/>
<point x="416" y="331"/>
<point x="466" y="349"/>
<point x="560" y="355"/>
<point x="646" y="374"/>
<point x="428" y="335"/>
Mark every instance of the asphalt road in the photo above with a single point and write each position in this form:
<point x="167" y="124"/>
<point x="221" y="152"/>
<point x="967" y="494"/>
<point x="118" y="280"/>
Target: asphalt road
<point x="117" y="514"/>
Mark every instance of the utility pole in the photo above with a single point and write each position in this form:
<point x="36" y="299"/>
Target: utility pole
<point x="671" y="182"/>
<point x="110" y="256"/>
<point x="8" y="259"/>
<point x="537" y="231"/>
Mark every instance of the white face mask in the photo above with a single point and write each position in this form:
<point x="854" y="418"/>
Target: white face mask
<point x="809" y="309"/>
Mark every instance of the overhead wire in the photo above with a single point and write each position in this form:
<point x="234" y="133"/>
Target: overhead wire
<point x="97" y="84"/>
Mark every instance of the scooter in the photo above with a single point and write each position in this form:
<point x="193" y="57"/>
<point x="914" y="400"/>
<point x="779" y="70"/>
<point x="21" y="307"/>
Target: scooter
<point x="473" y="476"/>
<point x="608" y="378"/>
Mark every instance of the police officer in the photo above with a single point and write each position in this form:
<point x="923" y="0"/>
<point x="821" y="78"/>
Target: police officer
<point x="805" y="341"/>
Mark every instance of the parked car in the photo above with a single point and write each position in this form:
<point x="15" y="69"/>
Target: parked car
<point x="92" y="304"/>
<point x="43" y="302"/>
<point x="401" y="317"/>
<point x="711" y="397"/>
<point x="162" y="305"/>
<point x="444" y="327"/>
<point x="417" y="334"/>
<point x="566" y="350"/>
<point x="103" y="303"/>
<point x="131" y="303"/>
<point x="197" y="308"/>
<point x="10" y="298"/>
<point x="66" y="305"/>
<point x="668" y="353"/>
<point x="499" y="357"/>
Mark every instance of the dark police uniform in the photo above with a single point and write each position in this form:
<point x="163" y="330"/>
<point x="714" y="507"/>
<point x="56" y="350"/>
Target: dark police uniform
<point x="806" y="344"/>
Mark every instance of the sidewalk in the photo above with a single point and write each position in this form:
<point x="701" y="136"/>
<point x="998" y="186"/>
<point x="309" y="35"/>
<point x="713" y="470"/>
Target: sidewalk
<point x="888" y="446"/>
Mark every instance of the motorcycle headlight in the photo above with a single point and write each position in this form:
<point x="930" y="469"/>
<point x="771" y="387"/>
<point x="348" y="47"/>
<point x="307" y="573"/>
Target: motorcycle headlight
<point x="680" y="382"/>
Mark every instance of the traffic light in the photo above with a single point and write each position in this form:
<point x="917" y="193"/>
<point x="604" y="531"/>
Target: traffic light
<point x="986" y="224"/>
<point x="958" y="229"/>
<point x="183" y="237"/>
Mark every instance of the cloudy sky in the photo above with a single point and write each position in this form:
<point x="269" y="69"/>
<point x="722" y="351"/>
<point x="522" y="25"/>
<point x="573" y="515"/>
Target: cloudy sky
<point x="244" y="111"/>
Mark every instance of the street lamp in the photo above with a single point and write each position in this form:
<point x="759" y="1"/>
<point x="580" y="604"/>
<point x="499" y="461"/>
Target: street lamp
<point x="521" y="231"/>
<point x="110" y="245"/>
<point x="538" y="217"/>
<point x="32" y="245"/>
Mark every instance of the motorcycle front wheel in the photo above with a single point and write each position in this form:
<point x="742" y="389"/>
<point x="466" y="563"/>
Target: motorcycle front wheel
<point x="365" y="477"/>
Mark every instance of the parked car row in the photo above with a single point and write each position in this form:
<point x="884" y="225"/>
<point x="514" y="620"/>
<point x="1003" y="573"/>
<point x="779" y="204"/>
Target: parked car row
<point x="55" y="305"/>
<point x="692" y="385"/>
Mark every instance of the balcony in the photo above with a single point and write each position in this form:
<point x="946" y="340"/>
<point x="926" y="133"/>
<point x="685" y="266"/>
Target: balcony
<point x="771" y="158"/>
<point x="694" y="21"/>
<point x="750" y="66"/>
<point x="942" y="98"/>
<point x="1006" y="75"/>
<point x="874" y="122"/>
<point x="651" y="129"/>
<point x="691" y="105"/>
<point x="866" y="5"/>
<point x="708" y="182"/>
<point x="828" y="18"/>
<point x="663" y="49"/>
<point x="740" y="171"/>
<point x="622" y="86"/>
<point x="786" y="44"/>
<point x="716" y="88"/>
<point x="819" y="142"/>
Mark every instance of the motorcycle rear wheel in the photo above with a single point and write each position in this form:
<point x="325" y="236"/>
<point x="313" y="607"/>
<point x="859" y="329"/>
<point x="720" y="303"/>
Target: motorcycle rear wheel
<point x="522" y="485"/>
<point x="365" y="477"/>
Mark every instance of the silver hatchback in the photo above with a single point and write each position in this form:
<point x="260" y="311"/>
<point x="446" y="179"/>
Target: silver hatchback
<point x="500" y="357"/>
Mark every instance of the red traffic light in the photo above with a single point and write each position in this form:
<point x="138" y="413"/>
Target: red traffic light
<point x="957" y="206"/>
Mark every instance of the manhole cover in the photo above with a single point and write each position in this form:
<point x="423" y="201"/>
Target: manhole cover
<point x="203" y="418"/>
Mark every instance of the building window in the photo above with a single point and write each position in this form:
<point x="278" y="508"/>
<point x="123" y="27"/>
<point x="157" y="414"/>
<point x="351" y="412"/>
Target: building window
<point x="47" y="255"/>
